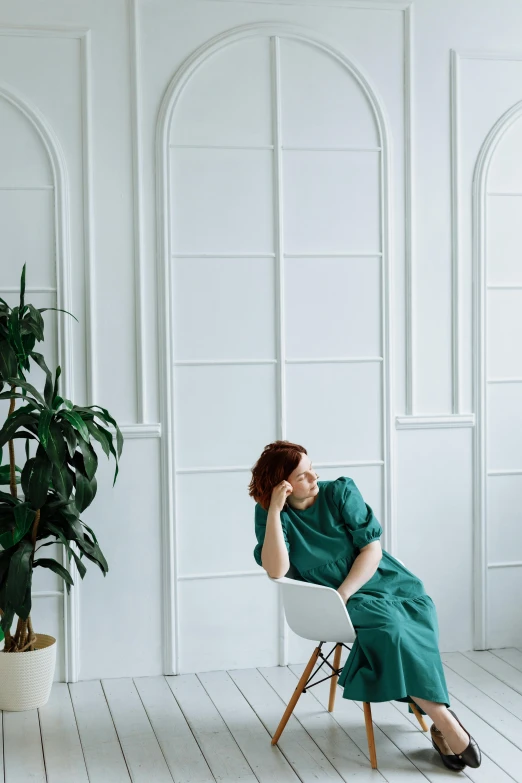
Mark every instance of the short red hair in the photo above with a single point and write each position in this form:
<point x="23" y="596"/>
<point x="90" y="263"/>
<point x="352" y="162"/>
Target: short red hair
<point x="278" y="460"/>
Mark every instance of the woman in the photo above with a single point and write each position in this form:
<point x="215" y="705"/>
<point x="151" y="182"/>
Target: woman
<point x="324" y="532"/>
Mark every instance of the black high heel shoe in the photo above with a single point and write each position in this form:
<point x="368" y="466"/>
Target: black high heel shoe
<point x="449" y="759"/>
<point x="470" y="755"/>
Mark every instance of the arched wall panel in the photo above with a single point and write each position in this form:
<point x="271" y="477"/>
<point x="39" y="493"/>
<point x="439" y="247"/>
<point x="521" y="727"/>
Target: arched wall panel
<point x="280" y="223"/>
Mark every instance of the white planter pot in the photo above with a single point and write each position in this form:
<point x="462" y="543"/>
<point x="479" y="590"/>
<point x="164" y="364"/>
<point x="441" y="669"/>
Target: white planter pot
<point x="26" y="678"/>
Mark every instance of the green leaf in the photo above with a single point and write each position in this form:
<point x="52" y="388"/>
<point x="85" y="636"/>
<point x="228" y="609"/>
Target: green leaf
<point x="91" y="532"/>
<point x="44" y="423"/>
<point x="26" y="435"/>
<point x="12" y="423"/>
<point x="23" y="518"/>
<point x="36" y="322"/>
<point x="8" y="361"/>
<point x="69" y="434"/>
<point x="54" y="565"/>
<point x="82" y="570"/>
<point x="15" y="395"/>
<point x="59" y="534"/>
<point x="19" y="575"/>
<point x="77" y="422"/>
<point x="58" y="310"/>
<point x="90" y="458"/>
<point x="48" y="390"/>
<point x="6" y="497"/>
<point x="55" y="446"/>
<point x="36" y="477"/>
<point x="5" y="475"/>
<point x="57" y="402"/>
<point x="63" y="481"/>
<point x="55" y="389"/>
<point x="85" y="492"/>
<point x="107" y="417"/>
<point x="22" y="287"/>
<point x="14" y="333"/>
<point x="30" y="388"/>
<point x="94" y="553"/>
<point x="101" y="435"/>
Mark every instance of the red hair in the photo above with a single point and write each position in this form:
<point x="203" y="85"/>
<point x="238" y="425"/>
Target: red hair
<point x="278" y="460"/>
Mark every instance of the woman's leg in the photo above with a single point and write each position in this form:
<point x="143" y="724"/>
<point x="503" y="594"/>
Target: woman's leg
<point x="455" y="735"/>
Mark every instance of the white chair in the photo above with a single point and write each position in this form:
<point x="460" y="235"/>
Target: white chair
<point x="318" y="612"/>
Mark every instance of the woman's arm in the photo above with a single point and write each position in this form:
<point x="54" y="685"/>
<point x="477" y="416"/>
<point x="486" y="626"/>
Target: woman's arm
<point x="274" y="554"/>
<point x="363" y="568"/>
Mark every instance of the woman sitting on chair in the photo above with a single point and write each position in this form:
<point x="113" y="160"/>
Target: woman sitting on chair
<point x="324" y="532"/>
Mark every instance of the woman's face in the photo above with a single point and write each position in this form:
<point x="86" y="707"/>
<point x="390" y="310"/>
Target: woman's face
<point x="303" y="479"/>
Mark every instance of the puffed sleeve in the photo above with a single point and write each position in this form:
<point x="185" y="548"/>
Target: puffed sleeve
<point x="261" y="517"/>
<point x="358" y="516"/>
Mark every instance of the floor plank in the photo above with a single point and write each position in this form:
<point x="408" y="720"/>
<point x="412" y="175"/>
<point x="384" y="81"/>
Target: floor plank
<point x="182" y="753"/>
<point x="24" y="759"/>
<point x="219" y="747"/>
<point x="139" y="744"/>
<point x="266" y="761"/>
<point x="102" y="750"/>
<point x="63" y="752"/>
<point x="495" y="665"/>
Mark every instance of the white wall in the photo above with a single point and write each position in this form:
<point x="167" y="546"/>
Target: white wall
<point x="214" y="287"/>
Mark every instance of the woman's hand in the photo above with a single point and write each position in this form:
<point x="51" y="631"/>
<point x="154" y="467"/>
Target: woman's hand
<point x="280" y="493"/>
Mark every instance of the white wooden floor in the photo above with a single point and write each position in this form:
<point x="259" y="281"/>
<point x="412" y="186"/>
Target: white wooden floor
<point x="218" y="725"/>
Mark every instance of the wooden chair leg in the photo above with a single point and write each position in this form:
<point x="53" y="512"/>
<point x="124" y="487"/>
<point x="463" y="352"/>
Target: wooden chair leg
<point x="418" y="716"/>
<point x="335" y="677"/>
<point x="296" y="694"/>
<point x="369" y="733"/>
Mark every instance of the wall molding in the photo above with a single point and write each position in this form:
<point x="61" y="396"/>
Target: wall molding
<point x="37" y="31"/>
<point x="137" y="173"/>
<point x="167" y="390"/>
<point x="480" y="176"/>
<point x="455" y="230"/>
<point x="454" y="421"/>
<point x="139" y="431"/>
<point x="409" y="210"/>
<point x="362" y="5"/>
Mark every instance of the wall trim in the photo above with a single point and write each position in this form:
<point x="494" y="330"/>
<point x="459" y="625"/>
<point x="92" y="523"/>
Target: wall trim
<point x="430" y="422"/>
<point x="88" y="218"/>
<point x="362" y="5"/>
<point x="139" y="431"/>
<point x="480" y="176"/>
<point x="163" y="129"/>
<point x="409" y="209"/>
<point x="455" y="229"/>
<point x="137" y="173"/>
<point x="37" y="31"/>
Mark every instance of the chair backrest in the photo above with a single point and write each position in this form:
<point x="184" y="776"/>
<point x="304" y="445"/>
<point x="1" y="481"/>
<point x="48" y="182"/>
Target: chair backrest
<point x="314" y="611"/>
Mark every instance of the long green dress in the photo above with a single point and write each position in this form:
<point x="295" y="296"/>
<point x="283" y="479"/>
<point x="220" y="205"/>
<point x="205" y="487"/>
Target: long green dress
<point x="395" y="652"/>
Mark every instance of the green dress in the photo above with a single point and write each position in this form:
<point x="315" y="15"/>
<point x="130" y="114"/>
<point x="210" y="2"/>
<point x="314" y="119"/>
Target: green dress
<point x="395" y="652"/>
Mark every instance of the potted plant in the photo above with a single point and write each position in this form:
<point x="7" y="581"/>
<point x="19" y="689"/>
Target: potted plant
<point x="57" y="484"/>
